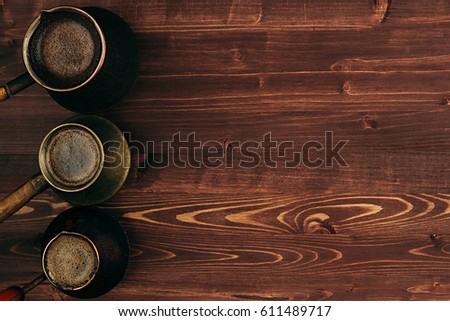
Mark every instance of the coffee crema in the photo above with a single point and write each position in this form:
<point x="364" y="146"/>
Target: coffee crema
<point x="72" y="157"/>
<point x="65" y="49"/>
<point x="70" y="261"/>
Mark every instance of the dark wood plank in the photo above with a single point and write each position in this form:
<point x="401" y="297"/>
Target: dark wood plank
<point x="245" y="111"/>
<point x="263" y="247"/>
<point x="218" y="14"/>
<point x="369" y="171"/>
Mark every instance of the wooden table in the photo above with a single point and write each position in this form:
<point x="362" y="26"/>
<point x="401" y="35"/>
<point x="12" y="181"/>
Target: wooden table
<point x="373" y="73"/>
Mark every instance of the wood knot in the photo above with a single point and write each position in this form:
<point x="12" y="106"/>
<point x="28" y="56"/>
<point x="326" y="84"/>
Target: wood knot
<point x="370" y="122"/>
<point x="381" y="8"/>
<point x="446" y="100"/>
<point x="260" y="82"/>
<point x="237" y="55"/>
<point x="346" y="88"/>
<point x="352" y="289"/>
<point x="318" y="224"/>
<point x="346" y="66"/>
<point x="228" y="146"/>
<point x="435" y="239"/>
<point x="8" y="42"/>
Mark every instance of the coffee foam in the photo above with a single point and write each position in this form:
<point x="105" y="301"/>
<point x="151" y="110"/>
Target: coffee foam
<point x="70" y="261"/>
<point x="67" y="49"/>
<point x="72" y="156"/>
<point x="64" y="49"/>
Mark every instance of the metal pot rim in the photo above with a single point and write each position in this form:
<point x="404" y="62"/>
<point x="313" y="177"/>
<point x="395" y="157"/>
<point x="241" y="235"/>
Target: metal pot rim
<point x="30" y="32"/>
<point x="43" y="166"/>
<point x="111" y="179"/>
<point x="96" y="254"/>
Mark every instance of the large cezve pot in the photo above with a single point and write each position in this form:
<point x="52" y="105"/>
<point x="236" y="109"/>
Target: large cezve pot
<point x="84" y="252"/>
<point x="85" y="160"/>
<point x="87" y="58"/>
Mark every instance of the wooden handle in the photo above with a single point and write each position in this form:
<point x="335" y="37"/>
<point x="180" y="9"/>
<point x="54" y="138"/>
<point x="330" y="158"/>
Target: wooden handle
<point x="17" y="293"/>
<point x="3" y="94"/>
<point x="14" y="201"/>
<point x="16" y="85"/>
<point x="13" y="293"/>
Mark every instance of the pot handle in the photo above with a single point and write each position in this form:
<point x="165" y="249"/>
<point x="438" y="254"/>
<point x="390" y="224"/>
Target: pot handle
<point x="14" y="201"/>
<point x="13" y="293"/>
<point x="14" y="86"/>
<point x="17" y="293"/>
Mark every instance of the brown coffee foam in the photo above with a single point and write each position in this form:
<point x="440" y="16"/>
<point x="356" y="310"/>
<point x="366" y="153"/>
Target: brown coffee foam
<point x="70" y="261"/>
<point x="64" y="49"/>
<point x="73" y="156"/>
<point x="67" y="49"/>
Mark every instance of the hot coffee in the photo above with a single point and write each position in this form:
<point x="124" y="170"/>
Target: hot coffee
<point x="65" y="49"/>
<point x="70" y="261"/>
<point x="73" y="156"/>
<point x="87" y="58"/>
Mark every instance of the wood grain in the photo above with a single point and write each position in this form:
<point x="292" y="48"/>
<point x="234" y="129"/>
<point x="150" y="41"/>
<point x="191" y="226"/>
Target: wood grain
<point x="375" y="72"/>
<point x="263" y="247"/>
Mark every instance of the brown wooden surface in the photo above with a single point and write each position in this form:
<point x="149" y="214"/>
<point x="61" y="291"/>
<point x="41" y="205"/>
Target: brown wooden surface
<point x="373" y="72"/>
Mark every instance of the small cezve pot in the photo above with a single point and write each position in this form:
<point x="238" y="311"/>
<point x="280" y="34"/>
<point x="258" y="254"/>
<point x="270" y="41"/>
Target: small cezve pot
<point x="87" y="58"/>
<point x="85" y="160"/>
<point x="84" y="252"/>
